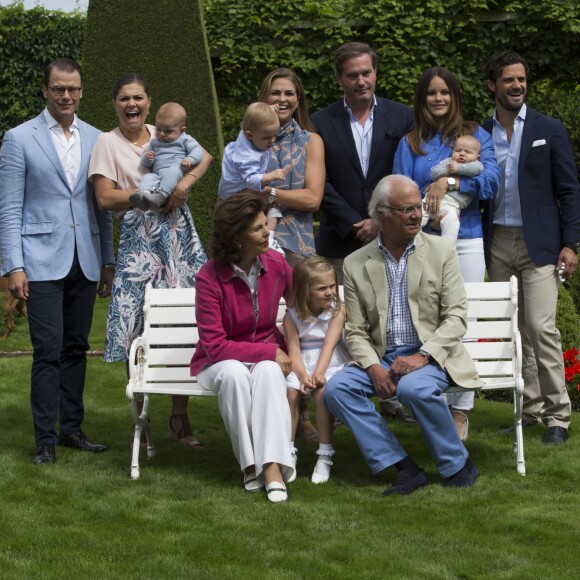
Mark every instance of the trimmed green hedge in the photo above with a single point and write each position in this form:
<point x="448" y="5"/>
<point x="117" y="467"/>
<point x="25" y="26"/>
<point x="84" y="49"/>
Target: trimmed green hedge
<point x="30" y="39"/>
<point x="165" y="42"/>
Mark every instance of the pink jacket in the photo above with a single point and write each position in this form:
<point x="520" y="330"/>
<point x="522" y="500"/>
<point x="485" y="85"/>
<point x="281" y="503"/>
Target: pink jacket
<point x="228" y="328"/>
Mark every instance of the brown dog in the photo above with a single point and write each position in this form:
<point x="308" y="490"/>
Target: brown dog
<point x="11" y="304"/>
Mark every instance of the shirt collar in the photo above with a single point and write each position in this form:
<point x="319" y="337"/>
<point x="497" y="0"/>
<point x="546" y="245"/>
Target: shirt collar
<point x="520" y="116"/>
<point x="349" y="110"/>
<point x="408" y="250"/>
<point x="52" y="122"/>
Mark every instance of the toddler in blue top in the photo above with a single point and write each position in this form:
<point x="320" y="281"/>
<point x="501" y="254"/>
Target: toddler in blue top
<point x="245" y="160"/>
<point x="171" y="153"/>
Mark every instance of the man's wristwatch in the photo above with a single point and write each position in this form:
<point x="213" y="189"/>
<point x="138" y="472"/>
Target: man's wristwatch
<point x="574" y="247"/>
<point x="425" y="354"/>
<point x="451" y="184"/>
<point x="273" y="195"/>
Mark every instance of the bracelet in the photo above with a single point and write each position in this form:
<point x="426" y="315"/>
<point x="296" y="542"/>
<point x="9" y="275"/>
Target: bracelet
<point x="179" y="196"/>
<point x="193" y="175"/>
<point x="110" y="266"/>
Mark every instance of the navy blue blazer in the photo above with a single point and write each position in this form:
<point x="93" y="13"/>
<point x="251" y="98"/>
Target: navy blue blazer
<point x="549" y="189"/>
<point x="347" y="191"/>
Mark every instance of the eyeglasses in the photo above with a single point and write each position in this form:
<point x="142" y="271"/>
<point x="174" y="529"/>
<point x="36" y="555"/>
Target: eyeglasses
<point x="60" y="91"/>
<point x="406" y="210"/>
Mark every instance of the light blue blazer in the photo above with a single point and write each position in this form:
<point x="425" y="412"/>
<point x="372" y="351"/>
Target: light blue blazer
<point x="41" y="218"/>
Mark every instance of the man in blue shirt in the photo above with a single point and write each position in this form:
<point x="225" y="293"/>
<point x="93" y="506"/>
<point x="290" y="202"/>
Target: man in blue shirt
<point x="533" y="233"/>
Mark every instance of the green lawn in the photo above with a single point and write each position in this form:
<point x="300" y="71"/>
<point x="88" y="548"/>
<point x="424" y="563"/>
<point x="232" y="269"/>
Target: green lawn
<point x="187" y="517"/>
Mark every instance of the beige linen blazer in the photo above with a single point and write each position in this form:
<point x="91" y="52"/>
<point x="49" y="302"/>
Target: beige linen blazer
<point x="437" y="301"/>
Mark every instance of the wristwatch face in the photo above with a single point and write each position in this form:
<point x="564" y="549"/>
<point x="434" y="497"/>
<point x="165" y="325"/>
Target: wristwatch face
<point x="451" y="183"/>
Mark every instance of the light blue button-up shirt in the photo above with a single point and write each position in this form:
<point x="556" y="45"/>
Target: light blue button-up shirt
<point x="508" y="211"/>
<point x="362" y="135"/>
<point x="243" y="167"/>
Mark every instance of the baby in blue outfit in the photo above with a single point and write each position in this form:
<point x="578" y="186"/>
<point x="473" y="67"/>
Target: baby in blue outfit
<point x="171" y="153"/>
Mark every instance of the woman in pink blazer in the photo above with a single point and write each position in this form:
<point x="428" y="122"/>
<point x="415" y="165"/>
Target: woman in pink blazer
<point x="241" y="353"/>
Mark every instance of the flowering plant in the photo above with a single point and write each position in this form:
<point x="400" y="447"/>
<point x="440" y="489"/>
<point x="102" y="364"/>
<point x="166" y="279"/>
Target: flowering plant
<point x="572" y="375"/>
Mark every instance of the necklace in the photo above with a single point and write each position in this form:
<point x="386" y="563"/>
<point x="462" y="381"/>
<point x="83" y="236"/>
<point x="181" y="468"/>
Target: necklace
<point x="139" y="137"/>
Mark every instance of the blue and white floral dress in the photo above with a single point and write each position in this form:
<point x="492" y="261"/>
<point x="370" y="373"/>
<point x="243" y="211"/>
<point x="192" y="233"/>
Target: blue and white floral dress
<point x="155" y="247"/>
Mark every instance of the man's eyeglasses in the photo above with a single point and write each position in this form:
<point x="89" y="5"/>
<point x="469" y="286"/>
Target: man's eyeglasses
<point x="406" y="210"/>
<point x="60" y="91"/>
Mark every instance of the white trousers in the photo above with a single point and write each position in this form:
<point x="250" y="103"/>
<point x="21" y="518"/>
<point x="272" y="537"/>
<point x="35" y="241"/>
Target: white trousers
<point x="254" y="408"/>
<point x="472" y="262"/>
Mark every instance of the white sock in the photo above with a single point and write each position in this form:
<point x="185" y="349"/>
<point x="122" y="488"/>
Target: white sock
<point x="326" y="451"/>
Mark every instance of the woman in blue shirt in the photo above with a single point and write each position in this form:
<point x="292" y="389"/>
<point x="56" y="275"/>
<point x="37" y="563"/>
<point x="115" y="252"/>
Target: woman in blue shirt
<point x="438" y="122"/>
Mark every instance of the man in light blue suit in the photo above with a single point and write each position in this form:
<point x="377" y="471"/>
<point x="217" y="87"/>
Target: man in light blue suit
<point x="55" y="245"/>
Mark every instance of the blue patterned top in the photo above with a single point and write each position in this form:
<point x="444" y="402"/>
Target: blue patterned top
<point x="294" y="230"/>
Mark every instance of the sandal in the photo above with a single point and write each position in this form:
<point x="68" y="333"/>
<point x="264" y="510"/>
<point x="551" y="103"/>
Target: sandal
<point x="305" y="429"/>
<point x="183" y="433"/>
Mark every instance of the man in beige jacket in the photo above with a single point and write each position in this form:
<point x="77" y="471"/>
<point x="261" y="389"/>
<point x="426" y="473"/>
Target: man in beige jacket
<point x="406" y="316"/>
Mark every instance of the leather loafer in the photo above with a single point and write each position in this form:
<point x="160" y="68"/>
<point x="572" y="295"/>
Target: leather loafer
<point x="79" y="440"/>
<point x="465" y="477"/>
<point x="45" y="453"/>
<point x="405" y="484"/>
<point x="555" y="436"/>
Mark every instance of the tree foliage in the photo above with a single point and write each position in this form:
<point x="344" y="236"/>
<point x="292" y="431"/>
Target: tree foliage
<point x="30" y="39"/>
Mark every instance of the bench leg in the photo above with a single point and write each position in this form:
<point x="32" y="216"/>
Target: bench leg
<point x="518" y="431"/>
<point x="141" y="422"/>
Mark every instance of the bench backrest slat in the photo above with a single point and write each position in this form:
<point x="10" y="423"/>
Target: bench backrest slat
<point x="172" y="334"/>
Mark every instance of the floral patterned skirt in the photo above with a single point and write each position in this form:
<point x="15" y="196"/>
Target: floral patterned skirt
<point x="163" y="249"/>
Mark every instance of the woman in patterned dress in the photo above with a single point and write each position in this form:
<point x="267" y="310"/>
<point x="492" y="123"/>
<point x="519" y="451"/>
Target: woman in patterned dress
<point x="300" y="153"/>
<point x="157" y="246"/>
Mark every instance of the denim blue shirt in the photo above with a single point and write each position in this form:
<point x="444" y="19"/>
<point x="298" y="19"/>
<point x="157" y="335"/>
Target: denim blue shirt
<point x="482" y="186"/>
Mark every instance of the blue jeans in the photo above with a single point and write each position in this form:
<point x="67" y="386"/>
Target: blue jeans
<point x="347" y="396"/>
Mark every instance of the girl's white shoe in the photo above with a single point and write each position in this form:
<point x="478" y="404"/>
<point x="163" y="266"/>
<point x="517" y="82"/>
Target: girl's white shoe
<point x="321" y="473"/>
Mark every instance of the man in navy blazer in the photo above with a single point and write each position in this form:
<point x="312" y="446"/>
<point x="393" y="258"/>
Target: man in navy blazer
<point x="55" y="245"/>
<point x="533" y="232"/>
<point x="361" y="133"/>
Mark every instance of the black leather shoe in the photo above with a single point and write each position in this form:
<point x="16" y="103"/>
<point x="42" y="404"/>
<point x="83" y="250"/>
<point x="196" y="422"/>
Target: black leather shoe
<point x="45" y="453"/>
<point x="405" y="484"/>
<point x="525" y="423"/>
<point x="465" y="477"/>
<point x="555" y="436"/>
<point x="79" y="440"/>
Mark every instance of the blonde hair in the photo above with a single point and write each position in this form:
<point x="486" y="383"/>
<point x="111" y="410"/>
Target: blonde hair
<point x="302" y="279"/>
<point x="259" y="115"/>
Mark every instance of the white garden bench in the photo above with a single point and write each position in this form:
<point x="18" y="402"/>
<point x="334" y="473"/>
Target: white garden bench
<point x="159" y="358"/>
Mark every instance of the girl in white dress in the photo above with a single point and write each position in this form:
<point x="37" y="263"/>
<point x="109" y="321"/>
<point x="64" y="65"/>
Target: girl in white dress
<point x="313" y="326"/>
